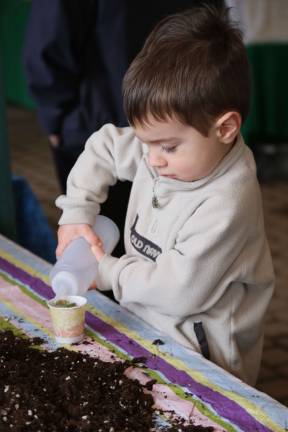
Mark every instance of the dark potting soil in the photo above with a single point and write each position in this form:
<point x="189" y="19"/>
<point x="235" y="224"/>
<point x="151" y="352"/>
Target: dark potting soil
<point x="64" y="390"/>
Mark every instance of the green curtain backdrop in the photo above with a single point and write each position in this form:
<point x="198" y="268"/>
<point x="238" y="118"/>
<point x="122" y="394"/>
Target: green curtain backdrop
<point x="7" y="213"/>
<point x="268" y="118"/>
<point x="13" y="18"/>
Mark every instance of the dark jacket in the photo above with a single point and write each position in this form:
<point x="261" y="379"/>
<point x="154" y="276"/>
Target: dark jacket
<point x="75" y="58"/>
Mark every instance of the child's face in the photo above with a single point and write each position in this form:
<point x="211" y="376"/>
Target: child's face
<point x="179" y="151"/>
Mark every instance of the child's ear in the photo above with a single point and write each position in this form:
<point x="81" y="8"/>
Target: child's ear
<point x="228" y="126"/>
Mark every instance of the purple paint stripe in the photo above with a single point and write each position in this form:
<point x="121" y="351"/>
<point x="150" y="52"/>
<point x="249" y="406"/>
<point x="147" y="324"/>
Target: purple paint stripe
<point x="33" y="282"/>
<point x="226" y="408"/>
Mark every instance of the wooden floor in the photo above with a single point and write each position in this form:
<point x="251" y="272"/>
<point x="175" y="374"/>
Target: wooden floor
<point x="31" y="158"/>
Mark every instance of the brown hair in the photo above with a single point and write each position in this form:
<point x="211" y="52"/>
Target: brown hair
<point x="193" y="66"/>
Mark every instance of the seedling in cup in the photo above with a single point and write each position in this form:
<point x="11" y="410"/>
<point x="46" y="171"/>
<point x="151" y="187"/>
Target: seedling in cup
<point x="64" y="303"/>
<point x="68" y="318"/>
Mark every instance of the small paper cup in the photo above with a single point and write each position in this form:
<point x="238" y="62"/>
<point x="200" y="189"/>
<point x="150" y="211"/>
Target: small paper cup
<point x="68" y="322"/>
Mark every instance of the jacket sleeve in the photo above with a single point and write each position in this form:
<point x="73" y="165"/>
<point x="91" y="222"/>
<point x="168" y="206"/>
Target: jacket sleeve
<point x="53" y="57"/>
<point x="188" y="279"/>
<point x="110" y="154"/>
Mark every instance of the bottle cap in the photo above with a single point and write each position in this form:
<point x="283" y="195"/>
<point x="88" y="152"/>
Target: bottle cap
<point x="64" y="283"/>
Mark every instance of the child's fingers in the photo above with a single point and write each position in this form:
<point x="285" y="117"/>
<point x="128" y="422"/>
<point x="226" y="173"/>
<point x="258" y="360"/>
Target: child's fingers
<point x="97" y="252"/>
<point x="92" y="238"/>
<point x="60" y="248"/>
<point x="94" y="250"/>
<point x="93" y="286"/>
<point x="58" y="251"/>
<point x="68" y="233"/>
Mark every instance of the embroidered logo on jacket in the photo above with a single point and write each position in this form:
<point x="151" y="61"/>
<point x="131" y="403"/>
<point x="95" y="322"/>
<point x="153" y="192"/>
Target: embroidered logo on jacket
<point x="143" y="245"/>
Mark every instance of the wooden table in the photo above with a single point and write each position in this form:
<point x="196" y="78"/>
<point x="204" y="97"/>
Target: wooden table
<point x="186" y="383"/>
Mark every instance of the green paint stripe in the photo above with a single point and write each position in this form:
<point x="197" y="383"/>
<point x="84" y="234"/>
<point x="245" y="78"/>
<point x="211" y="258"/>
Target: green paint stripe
<point x="5" y="324"/>
<point x="112" y="348"/>
<point x="24" y="289"/>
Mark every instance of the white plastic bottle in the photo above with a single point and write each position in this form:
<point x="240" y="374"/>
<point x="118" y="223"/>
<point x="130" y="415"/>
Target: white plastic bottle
<point x="76" y="269"/>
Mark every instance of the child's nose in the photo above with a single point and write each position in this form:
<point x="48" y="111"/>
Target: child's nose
<point x="155" y="159"/>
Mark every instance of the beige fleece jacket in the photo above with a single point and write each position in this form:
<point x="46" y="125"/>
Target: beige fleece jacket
<point x="197" y="266"/>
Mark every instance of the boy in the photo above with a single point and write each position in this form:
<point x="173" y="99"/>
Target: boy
<point x="197" y="264"/>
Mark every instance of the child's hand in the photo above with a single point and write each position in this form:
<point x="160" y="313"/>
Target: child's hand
<point x="98" y="251"/>
<point x="67" y="233"/>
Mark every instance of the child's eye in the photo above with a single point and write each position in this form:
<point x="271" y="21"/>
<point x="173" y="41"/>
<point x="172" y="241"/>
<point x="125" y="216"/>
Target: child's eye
<point x="168" y="149"/>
